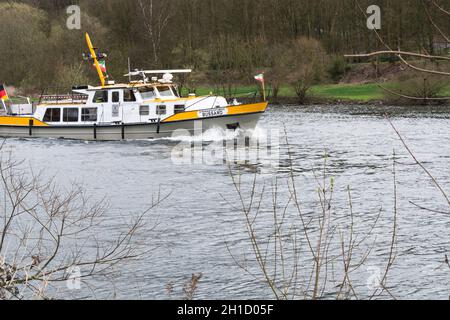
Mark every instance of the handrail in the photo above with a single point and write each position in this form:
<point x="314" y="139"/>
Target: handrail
<point x="57" y="98"/>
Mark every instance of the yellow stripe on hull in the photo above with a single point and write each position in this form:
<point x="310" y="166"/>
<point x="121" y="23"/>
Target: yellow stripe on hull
<point x="21" y="122"/>
<point x="231" y="110"/>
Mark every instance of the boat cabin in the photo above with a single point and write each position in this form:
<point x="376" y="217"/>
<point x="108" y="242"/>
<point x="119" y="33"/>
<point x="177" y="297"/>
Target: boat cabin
<point x="128" y="103"/>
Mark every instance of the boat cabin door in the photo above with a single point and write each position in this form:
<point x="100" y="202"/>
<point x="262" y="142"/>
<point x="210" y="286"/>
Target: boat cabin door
<point x="116" y="108"/>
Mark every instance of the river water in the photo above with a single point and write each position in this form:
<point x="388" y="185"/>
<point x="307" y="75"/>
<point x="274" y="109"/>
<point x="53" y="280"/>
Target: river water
<point x="198" y="228"/>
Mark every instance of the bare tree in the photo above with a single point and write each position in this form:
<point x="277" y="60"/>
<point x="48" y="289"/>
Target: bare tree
<point x="46" y="233"/>
<point x="308" y="255"/>
<point x="401" y="54"/>
<point x="156" y="17"/>
<point x="305" y="61"/>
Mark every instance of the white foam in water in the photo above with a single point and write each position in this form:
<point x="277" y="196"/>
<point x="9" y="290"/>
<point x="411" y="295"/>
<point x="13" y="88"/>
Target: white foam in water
<point x="216" y="135"/>
<point x="258" y="133"/>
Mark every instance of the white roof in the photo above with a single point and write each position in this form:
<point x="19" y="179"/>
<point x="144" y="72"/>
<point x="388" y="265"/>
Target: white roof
<point x="140" y="72"/>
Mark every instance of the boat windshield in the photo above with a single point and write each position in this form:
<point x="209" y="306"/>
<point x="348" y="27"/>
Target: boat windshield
<point x="147" y="93"/>
<point x="165" y="91"/>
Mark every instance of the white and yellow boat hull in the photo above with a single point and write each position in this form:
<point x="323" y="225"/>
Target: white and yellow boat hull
<point x="192" y="122"/>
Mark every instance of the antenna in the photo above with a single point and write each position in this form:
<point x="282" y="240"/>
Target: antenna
<point x="139" y="72"/>
<point x="167" y="71"/>
<point x="129" y="70"/>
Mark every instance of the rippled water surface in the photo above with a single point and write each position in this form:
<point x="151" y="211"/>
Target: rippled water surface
<point x="197" y="227"/>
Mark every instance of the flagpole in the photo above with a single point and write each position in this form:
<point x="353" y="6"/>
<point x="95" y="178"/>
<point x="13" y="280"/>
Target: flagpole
<point x="4" y="106"/>
<point x="260" y="78"/>
<point x="264" y="90"/>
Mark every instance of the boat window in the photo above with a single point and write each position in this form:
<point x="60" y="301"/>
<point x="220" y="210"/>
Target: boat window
<point x="101" y="96"/>
<point x="147" y="93"/>
<point x="175" y="92"/>
<point x="165" y="91"/>
<point x="115" y="97"/>
<point x="70" y="115"/>
<point x="179" y="108"/>
<point x="52" y="115"/>
<point x="161" y="110"/>
<point x="128" y="96"/>
<point x="89" y="114"/>
<point x="144" y="110"/>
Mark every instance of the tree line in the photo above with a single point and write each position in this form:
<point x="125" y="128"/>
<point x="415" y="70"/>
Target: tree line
<point x="226" y="41"/>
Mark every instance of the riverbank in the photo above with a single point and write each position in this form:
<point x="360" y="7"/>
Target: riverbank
<point x="361" y="93"/>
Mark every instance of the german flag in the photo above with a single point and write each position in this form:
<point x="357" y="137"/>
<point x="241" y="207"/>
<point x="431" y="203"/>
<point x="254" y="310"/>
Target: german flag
<point x="3" y="94"/>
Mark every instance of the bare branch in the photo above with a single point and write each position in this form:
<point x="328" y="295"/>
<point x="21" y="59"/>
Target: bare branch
<point x="440" y="7"/>
<point x="396" y="52"/>
<point x="412" y="97"/>
<point x="41" y="230"/>
<point x="434" y="24"/>
<point x="433" y="179"/>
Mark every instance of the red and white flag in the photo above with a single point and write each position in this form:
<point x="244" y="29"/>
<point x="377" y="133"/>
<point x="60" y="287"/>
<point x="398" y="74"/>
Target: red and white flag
<point x="259" y="77"/>
<point x="102" y="65"/>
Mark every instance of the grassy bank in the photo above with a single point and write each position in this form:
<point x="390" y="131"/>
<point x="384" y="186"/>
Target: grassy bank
<point x="369" y="92"/>
<point x="358" y="92"/>
<point x="355" y="92"/>
<point x="327" y="93"/>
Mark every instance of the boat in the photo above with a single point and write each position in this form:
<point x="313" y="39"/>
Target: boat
<point x="150" y="107"/>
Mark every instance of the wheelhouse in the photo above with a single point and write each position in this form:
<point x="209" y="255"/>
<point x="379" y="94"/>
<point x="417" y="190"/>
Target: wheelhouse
<point x="133" y="103"/>
<point x="133" y="93"/>
<point x="151" y="92"/>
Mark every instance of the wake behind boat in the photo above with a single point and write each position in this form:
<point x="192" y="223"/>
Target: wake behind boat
<point x="141" y="109"/>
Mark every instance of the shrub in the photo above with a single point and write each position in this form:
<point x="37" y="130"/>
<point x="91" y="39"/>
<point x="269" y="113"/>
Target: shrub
<point x="338" y="68"/>
<point x="423" y="87"/>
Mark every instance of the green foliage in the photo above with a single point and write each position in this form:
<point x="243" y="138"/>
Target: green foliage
<point x="22" y="50"/>
<point x="37" y="50"/>
<point x="218" y="38"/>
<point x="356" y="92"/>
<point x="68" y="76"/>
<point x="338" y="68"/>
<point x="417" y="85"/>
<point x="304" y="59"/>
<point x="351" y="92"/>
<point x="389" y="58"/>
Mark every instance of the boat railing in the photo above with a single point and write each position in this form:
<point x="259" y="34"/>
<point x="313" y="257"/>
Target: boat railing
<point x="63" y="98"/>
